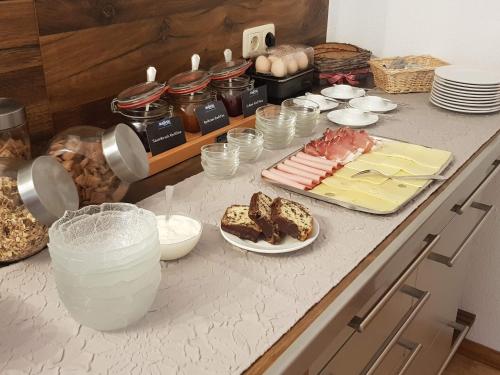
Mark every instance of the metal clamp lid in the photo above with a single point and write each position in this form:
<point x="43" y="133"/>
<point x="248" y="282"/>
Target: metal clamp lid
<point x="12" y="113"/>
<point x="125" y="153"/>
<point x="46" y="189"/>
<point x="229" y="68"/>
<point x="190" y="81"/>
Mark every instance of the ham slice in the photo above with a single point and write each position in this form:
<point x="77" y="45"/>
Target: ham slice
<point x="337" y="152"/>
<point x="300" y="179"/>
<point x="312" y="164"/>
<point x="327" y="162"/>
<point x="317" y="172"/>
<point x="285" y="168"/>
<point x="282" y="180"/>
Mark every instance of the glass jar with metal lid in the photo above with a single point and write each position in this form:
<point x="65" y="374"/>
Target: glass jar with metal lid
<point x="141" y="106"/>
<point x="229" y="82"/>
<point x="33" y="194"/>
<point x="14" y="137"/>
<point x="103" y="163"/>
<point x="188" y="91"/>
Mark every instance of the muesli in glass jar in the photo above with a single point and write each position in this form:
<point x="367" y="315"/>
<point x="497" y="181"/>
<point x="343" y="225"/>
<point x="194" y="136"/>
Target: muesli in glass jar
<point x="102" y="163"/>
<point x="14" y="137"/>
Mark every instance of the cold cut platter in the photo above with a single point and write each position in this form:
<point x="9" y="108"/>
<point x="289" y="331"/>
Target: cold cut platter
<point x="328" y="169"/>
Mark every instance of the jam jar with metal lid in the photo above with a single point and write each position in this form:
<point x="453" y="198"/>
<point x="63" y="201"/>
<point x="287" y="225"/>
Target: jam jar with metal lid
<point x="229" y="81"/>
<point x="14" y="137"/>
<point x="33" y="194"/>
<point x="188" y="91"/>
<point x="141" y="106"/>
<point x="103" y="163"/>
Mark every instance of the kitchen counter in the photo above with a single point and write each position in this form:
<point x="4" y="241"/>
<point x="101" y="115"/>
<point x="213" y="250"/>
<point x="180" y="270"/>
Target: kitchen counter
<point x="219" y="309"/>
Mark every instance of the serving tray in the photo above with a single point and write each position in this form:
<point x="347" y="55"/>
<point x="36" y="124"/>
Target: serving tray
<point x="348" y="205"/>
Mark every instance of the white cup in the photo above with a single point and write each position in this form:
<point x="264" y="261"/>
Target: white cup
<point x="344" y="90"/>
<point x="354" y="114"/>
<point x="375" y="102"/>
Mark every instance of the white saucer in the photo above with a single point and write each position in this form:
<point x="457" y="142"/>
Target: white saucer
<point x="335" y="93"/>
<point x="324" y="103"/>
<point x="341" y="117"/>
<point x="287" y="245"/>
<point x="364" y="104"/>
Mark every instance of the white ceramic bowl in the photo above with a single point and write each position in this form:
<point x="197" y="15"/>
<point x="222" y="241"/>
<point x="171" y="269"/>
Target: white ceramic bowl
<point x="178" y="249"/>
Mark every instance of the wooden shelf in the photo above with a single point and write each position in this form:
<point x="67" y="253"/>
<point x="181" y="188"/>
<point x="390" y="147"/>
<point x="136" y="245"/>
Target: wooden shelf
<point x="193" y="144"/>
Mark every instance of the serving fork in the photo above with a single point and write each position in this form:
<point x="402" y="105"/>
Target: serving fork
<point x="412" y="177"/>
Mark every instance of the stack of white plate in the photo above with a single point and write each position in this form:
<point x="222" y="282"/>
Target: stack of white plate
<point x="467" y="90"/>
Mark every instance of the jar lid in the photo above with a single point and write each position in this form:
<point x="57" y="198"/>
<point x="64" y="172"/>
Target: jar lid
<point x="229" y="68"/>
<point x="139" y="95"/>
<point x="46" y="189"/>
<point x="125" y="153"/>
<point x="12" y="113"/>
<point x="190" y="81"/>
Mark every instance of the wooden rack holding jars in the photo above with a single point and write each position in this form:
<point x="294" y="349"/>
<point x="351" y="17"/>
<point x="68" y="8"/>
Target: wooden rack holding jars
<point x="193" y="144"/>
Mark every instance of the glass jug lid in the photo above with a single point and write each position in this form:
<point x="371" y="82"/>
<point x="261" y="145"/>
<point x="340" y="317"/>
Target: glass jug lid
<point x="140" y="95"/>
<point x="229" y="68"/>
<point x="190" y="81"/>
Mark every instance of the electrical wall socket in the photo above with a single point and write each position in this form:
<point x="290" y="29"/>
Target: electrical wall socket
<point x="254" y="39"/>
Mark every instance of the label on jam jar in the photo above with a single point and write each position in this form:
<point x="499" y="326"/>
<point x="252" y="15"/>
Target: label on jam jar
<point x="165" y="134"/>
<point x="212" y="116"/>
<point x="253" y="99"/>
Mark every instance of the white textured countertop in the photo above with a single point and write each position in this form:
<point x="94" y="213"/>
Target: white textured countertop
<point x="219" y="309"/>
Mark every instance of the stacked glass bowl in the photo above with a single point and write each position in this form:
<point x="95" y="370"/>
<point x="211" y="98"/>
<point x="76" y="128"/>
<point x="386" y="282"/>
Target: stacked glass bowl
<point x="220" y="160"/>
<point x="276" y="125"/>
<point x="250" y="142"/>
<point x="106" y="262"/>
<point x="307" y="113"/>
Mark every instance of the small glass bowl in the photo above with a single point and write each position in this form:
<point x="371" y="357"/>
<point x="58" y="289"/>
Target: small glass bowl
<point x="277" y="126"/>
<point x="250" y="141"/>
<point x="307" y="113"/>
<point x="220" y="160"/>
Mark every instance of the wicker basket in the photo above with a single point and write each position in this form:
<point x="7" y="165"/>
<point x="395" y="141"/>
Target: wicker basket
<point x="405" y="80"/>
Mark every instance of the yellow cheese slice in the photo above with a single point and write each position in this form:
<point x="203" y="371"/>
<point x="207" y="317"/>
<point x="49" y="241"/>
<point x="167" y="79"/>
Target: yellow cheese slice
<point x="425" y="156"/>
<point x="390" y="190"/>
<point x="348" y="171"/>
<point x="406" y="165"/>
<point x="355" y="197"/>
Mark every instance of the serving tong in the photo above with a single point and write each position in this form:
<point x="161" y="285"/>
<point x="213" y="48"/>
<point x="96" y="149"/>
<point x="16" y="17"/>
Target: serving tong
<point x="412" y="177"/>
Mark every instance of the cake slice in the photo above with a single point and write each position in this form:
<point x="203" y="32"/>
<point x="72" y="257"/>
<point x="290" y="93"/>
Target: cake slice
<point x="260" y="212"/>
<point x="236" y="221"/>
<point x="292" y="218"/>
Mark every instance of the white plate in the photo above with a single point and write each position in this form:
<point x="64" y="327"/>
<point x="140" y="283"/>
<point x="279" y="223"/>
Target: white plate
<point x="339" y="117"/>
<point x="470" y="75"/>
<point x="462" y="110"/>
<point x="472" y="102"/>
<point x="324" y="103"/>
<point x="462" y="87"/>
<point x="468" y="98"/>
<point x="287" y="245"/>
<point x="332" y="92"/>
<point x="363" y="104"/>
<point x="467" y="94"/>
<point x="466" y="105"/>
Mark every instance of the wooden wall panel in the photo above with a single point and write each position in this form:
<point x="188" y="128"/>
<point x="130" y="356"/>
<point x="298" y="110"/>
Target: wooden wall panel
<point x="21" y="71"/>
<point x="91" y="50"/>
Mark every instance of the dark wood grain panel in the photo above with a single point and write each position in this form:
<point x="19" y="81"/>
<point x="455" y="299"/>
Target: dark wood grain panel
<point x="18" y="58"/>
<point x="89" y="64"/>
<point x="18" y="25"/>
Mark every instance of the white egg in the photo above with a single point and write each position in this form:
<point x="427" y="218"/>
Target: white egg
<point x="273" y="58"/>
<point x="262" y="64"/>
<point x="302" y="60"/>
<point x="278" y="68"/>
<point x="292" y="66"/>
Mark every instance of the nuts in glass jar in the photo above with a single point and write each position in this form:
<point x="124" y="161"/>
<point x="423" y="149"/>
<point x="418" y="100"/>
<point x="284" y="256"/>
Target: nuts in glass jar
<point x="83" y="158"/>
<point x="22" y="235"/>
<point x="14" y="148"/>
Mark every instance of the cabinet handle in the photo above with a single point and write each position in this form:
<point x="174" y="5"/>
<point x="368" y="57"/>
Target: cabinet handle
<point x="360" y="323"/>
<point x="450" y="261"/>
<point x="414" y="350"/>
<point x="460" y="207"/>
<point x="395" y="334"/>
<point x="464" y="329"/>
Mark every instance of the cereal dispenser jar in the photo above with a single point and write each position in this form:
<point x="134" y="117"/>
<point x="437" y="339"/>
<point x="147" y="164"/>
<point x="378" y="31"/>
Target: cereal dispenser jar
<point x="14" y="137"/>
<point x="229" y="81"/>
<point x="188" y="91"/>
<point x="102" y="163"/>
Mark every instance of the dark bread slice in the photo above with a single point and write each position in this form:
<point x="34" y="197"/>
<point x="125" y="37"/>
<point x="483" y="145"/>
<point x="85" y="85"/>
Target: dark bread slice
<point x="236" y="221"/>
<point x="292" y="218"/>
<point x="260" y="212"/>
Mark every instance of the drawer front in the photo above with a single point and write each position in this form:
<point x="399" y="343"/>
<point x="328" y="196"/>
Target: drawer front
<point x="362" y="348"/>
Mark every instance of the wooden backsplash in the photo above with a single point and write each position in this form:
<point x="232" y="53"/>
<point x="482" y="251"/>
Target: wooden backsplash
<point x="66" y="59"/>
